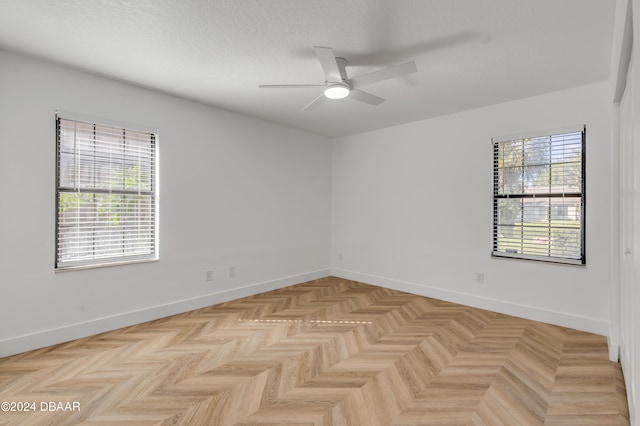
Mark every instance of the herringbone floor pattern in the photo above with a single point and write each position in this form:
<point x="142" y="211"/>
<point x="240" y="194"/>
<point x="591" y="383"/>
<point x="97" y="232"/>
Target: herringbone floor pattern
<point x="326" y="352"/>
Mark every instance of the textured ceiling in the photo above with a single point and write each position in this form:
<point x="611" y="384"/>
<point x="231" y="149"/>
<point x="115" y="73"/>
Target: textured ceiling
<point x="469" y="53"/>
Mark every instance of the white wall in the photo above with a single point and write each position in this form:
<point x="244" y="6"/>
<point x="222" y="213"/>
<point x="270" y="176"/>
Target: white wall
<point x="234" y="191"/>
<point x="412" y="210"/>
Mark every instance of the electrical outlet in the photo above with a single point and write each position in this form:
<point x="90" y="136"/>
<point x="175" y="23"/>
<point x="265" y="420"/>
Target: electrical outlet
<point x="480" y="277"/>
<point x="232" y="271"/>
<point x="340" y="257"/>
<point x="208" y="275"/>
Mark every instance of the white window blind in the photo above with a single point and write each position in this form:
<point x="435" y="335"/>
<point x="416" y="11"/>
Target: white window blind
<point x="106" y="194"/>
<point x="539" y="197"/>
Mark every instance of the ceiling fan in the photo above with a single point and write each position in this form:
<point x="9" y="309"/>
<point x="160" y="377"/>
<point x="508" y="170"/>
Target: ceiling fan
<point x="338" y="86"/>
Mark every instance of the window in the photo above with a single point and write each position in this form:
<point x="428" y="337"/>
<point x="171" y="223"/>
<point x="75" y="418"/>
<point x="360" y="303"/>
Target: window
<point x="538" y="197"/>
<point x="106" y="194"/>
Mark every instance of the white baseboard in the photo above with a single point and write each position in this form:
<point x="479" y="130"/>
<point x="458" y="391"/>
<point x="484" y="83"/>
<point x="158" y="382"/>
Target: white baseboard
<point x="614" y="345"/>
<point x="576" y="322"/>
<point x="27" y="342"/>
<point x="41" y="339"/>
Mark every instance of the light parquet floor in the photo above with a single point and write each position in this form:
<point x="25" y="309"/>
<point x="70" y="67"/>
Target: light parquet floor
<point x="326" y="352"/>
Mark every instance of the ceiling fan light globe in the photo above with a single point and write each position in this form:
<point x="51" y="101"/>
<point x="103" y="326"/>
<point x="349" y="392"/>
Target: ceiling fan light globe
<point x="337" y="91"/>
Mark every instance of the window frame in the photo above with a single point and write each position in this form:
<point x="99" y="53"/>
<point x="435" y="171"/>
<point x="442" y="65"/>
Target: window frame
<point x="581" y="261"/>
<point x="152" y="193"/>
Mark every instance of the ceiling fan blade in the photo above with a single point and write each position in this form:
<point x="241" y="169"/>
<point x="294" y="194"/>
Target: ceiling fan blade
<point x="329" y="64"/>
<point x="365" y="97"/>
<point x="314" y="103"/>
<point x="385" y="74"/>
<point x="288" y="86"/>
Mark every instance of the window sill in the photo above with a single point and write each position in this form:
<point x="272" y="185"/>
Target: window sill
<point x="102" y="265"/>
<point x="556" y="260"/>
